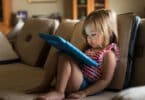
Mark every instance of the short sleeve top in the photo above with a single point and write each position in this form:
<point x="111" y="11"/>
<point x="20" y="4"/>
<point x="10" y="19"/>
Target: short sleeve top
<point x="93" y="73"/>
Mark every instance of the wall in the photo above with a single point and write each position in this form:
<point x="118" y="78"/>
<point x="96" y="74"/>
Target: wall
<point x="123" y="6"/>
<point x="64" y="7"/>
<point x="68" y="8"/>
<point x="38" y="8"/>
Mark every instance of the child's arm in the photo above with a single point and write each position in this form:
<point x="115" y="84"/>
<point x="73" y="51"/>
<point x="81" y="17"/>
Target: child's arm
<point x="109" y="65"/>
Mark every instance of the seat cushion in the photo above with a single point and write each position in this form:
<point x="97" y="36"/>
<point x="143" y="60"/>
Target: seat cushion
<point x="12" y="95"/>
<point x="19" y="77"/>
<point x="32" y="49"/>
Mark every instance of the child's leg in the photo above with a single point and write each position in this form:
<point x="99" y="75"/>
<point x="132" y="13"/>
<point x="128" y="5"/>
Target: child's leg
<point x="67" y="73"/>
<point x="50" y="72"/>
<point x="51" y="66"/>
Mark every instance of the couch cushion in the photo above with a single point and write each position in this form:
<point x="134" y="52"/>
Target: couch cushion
<point x="19" y="77"/>
<point x="78" y="39"/>
<point x="127" y="32"/>
<point x="64" y="30"/>
<point x="32" y="49"/>
<point x="139" y="61"/>
<point x="12" y="95"/>
<point x="7" y="54"/>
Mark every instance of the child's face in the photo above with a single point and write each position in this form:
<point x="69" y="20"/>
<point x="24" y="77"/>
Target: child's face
<point x="94" y="38"/>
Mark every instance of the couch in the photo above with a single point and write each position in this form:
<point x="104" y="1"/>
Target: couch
<point x="33" y="57"/>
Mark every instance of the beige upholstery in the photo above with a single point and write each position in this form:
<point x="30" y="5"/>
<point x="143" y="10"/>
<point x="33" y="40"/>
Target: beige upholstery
<point x="12" y="95"/>
<point x="19" y="77"/>
<point x="78" y="39"/>
<point x="6" y="51"/>
<point x="65" y="30"/>
<point x="125" y="22"/>
<point x="29" y="45"/>
<point x="139" y="61"/>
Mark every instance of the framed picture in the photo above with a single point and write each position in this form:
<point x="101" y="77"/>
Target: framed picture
<point x="41" y="1"/>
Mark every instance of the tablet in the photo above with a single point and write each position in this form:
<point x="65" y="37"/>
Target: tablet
<point x="65" y="46"/>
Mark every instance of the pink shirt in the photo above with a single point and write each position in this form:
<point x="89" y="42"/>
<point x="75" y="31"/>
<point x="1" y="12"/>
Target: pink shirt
<point x="93" y="73"/>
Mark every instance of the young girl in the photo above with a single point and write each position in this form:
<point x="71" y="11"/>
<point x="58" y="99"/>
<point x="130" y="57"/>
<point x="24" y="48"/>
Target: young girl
<point x="79" y="80"/>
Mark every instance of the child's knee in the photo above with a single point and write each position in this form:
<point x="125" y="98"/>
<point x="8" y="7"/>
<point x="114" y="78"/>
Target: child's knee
<point x="64" y="57"/>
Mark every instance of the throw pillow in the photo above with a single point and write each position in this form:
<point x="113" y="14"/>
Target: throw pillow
<point x="7" y="54"/>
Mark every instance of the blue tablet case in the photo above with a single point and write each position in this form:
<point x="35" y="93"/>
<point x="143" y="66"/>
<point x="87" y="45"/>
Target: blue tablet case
<point x="63" y="45"/>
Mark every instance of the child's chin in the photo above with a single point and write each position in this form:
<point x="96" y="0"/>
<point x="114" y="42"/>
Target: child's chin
<point x="91" y="46"/>
<point x="94" y="46"/>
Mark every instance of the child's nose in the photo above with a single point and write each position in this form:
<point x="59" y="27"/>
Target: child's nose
<point x="89" y="40"/>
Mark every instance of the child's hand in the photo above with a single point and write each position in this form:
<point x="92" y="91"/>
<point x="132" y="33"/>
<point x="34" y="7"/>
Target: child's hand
<point x="76" y="95"/>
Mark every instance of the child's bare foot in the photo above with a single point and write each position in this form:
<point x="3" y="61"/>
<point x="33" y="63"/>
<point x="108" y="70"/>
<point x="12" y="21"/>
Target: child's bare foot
<point x="51" y="96"/>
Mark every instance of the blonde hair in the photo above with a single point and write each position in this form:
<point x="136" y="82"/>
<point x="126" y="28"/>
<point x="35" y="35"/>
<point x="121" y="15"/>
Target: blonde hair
<point x="105" y="22"/>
